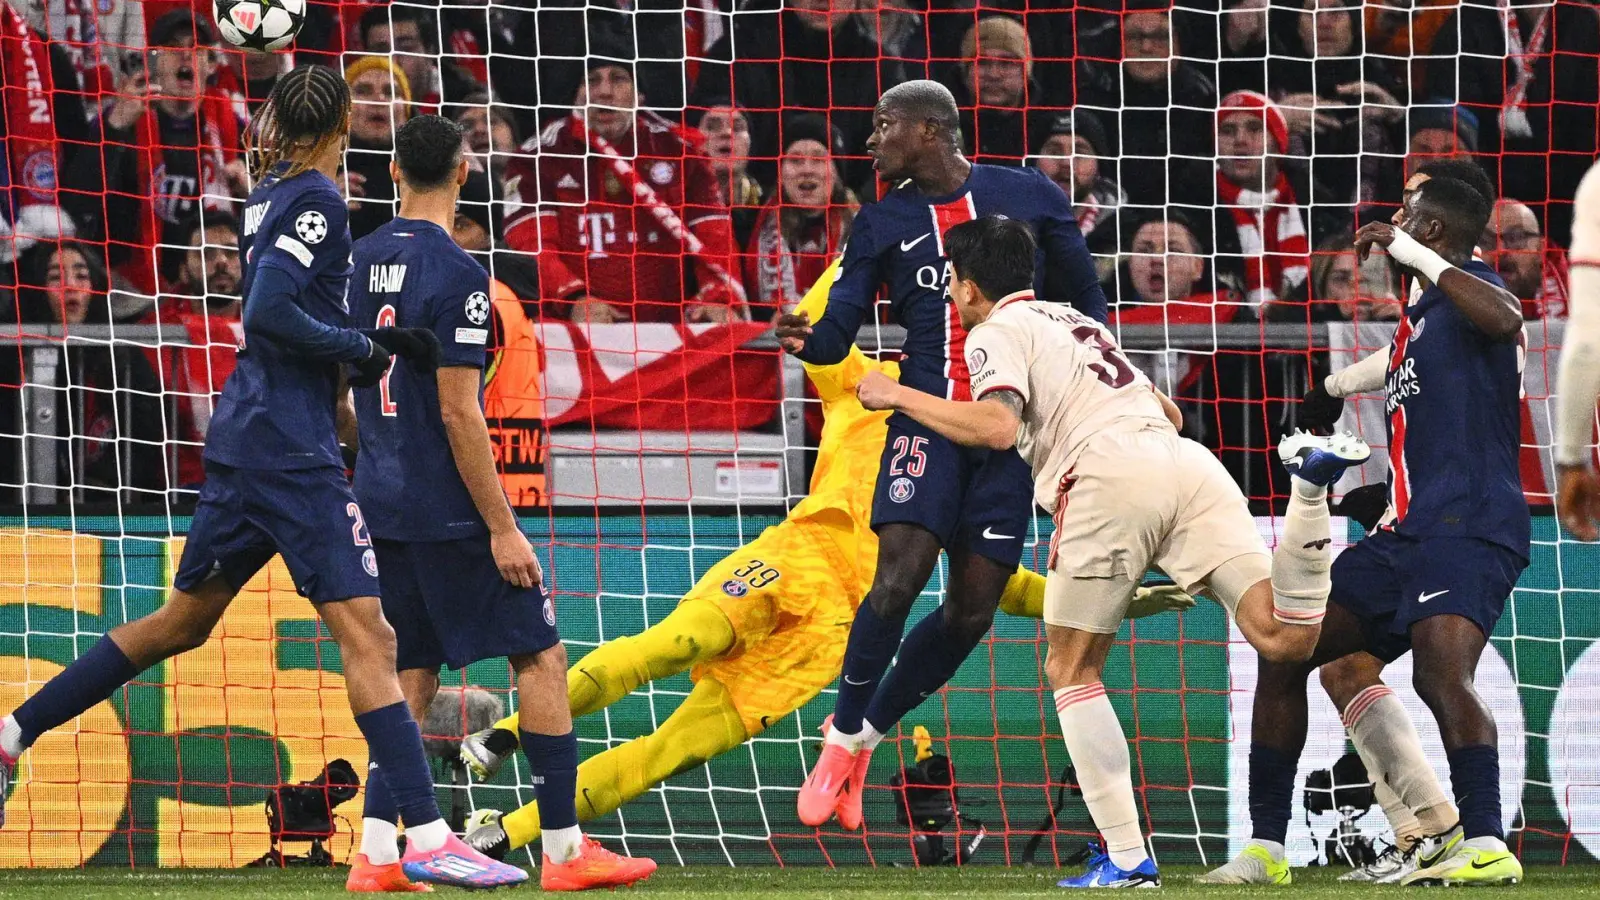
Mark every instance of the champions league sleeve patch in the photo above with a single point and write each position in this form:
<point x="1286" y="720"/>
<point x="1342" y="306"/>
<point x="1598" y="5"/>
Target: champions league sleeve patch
<point x="311" y="226"/>
<point x="478" y="308"/>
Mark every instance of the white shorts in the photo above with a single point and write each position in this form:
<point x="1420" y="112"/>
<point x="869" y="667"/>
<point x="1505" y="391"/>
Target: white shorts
<point x="1132" y="500"/>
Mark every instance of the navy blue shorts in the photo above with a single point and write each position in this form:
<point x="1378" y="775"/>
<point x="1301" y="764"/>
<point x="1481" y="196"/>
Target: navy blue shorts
<point x="1391" y="582"/>
<point x="244" y="516"/>
<point x="449" y="605"/>
<point x="980" y="499"/>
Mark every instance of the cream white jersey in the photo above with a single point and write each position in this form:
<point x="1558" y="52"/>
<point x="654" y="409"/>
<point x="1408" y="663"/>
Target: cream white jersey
<point x="1073" y="379"/>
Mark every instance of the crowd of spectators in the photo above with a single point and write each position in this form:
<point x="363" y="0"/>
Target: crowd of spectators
<point x="688" y="161"/>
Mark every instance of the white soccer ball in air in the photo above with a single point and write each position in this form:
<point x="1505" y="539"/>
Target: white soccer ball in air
<point x="259" y="24"/>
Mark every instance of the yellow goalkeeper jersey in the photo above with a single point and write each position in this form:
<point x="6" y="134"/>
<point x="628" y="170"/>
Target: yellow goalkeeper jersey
<point x="852" y="437"/>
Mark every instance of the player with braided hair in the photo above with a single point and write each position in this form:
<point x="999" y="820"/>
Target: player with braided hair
<point x="275" y="480"/>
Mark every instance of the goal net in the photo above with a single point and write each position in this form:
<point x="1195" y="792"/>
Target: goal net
<point x="1219" y="158"/>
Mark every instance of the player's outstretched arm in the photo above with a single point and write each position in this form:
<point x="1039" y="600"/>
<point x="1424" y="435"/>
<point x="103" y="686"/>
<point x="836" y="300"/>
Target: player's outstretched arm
<point x="991" y="422"/>
<point x="468" y="434"/>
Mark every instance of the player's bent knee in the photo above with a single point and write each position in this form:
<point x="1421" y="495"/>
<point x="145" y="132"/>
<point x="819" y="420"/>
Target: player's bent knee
<point x="891" y="598"/>
<point x="969" y="625"/>
<point x="1342" y="679"/>
<point x="1291" y="643"/>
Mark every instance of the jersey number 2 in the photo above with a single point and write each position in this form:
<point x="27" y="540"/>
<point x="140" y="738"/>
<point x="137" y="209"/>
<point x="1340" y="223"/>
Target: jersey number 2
<point x="1113" y="370"/>
<point x="358" y="528"/>
<point x="386" y="402"/>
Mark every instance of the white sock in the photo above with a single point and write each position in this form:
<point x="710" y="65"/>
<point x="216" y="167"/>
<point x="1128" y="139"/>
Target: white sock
<point x="427" y="837"/>
<point x="1301" y="564"/>
<point x="379" y="841"/>
<point x="1100" y="755"/>
<point x="870" y="737"/>
<point x="1273" y="848"/>
<point x="11" y="737"/>
<point x="867" y="738"/>
<point x="1407" y="830"/>
<point x="840" y="739"/>
<point x="1487" y="842"/>
<point x="1388" y="744"/>
<point x="562" y="844"/>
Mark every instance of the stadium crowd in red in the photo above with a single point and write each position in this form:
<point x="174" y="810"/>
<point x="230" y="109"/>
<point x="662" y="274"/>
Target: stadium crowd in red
<point x="685" y="162"/>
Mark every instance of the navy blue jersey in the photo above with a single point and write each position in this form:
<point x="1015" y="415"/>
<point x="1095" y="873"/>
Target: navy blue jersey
<point x="896" y="248"/>
<point x="410" y="274"/>
<point x="1455" y="424"/>
<point x="276" y="411"/>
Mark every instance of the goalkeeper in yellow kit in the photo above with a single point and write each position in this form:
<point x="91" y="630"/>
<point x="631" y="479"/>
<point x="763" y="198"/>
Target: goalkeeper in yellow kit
<point x="764" y="630"/>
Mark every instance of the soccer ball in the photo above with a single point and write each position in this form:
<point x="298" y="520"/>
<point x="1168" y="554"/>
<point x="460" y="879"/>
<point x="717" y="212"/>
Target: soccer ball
<point x="259" y="24"/>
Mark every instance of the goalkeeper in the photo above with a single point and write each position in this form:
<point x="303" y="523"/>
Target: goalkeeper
<point x="764" y="630"/>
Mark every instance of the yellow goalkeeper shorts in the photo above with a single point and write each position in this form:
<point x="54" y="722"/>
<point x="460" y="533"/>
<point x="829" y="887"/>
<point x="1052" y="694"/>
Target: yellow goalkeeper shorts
<point x="791" y="595"/>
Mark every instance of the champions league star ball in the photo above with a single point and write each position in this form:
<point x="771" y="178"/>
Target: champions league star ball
<point x="259" y="24"/>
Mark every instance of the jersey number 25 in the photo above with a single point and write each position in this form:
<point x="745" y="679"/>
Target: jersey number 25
<point x="386" y="402"/>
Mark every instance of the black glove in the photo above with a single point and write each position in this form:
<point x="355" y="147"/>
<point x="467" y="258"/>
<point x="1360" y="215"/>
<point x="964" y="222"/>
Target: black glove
<point x="418" y="346"/>
<point x="371" y="370"/>
<point x="1365" y="504"/>
<point x="1320" y="410"/>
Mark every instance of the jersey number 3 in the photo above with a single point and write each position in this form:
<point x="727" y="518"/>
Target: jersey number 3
<point x="1113" y="369"/>
<point x="386" y="402"/>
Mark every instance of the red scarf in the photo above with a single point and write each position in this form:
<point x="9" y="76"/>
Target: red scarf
<point x="1551" y="301"/>
<point x="1272" y="237"/>
<point x="217" y="144"/>
<point x="30" y="116"/>
<point x="782" y="267"/>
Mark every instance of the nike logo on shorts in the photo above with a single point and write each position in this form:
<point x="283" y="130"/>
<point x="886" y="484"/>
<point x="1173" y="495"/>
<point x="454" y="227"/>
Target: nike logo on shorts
<point x="849" y="680"/>
<point x="907" y="245"/>
<point x="990" y="535"/>
<point x="1424" y="598"/>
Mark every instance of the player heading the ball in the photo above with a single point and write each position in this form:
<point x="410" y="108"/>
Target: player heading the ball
<point x="1127" y="492"/>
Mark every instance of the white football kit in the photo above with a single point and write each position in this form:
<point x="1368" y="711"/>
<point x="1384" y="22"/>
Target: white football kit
<point x="1126" y="491"/>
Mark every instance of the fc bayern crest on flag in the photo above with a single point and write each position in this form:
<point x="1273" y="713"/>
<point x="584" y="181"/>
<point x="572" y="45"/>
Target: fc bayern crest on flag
<point x="901" y="489"/>
<point x="661" y="173"/>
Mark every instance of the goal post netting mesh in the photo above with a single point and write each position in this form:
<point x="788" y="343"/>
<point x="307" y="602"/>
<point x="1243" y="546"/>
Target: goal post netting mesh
<point x="1219" y="158"/>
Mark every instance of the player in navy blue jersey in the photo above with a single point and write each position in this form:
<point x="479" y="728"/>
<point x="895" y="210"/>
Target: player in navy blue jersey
<point x="460" y="580"/>
<point x="1435" y="575"/>
<point x="274" y="478"/>
<point x="976" y="505"/>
